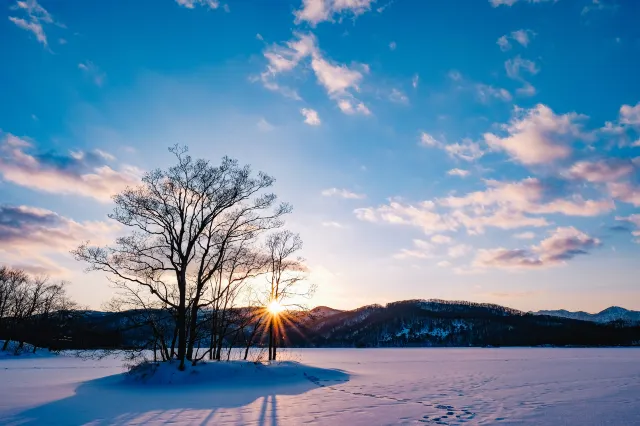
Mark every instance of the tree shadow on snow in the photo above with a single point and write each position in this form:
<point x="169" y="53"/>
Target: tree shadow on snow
<point x="116" y="400"/>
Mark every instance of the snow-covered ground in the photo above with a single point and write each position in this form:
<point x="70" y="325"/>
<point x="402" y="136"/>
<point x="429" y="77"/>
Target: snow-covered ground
<point x="344" y="387"/>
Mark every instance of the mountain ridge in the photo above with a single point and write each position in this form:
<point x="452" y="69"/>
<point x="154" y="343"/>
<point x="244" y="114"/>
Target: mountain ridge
<point x="612" y="313"/>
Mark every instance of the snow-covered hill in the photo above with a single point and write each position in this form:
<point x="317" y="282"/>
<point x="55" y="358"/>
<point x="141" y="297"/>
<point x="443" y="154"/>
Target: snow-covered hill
<point x="614" y="313"/>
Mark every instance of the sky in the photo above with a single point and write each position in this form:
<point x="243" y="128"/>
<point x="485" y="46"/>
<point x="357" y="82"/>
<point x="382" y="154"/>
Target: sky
<point x="484" y="150"/>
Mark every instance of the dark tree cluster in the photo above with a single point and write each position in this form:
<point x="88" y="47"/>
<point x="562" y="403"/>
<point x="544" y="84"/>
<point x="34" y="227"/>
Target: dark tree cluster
<point x="33" y="311"/>
<point x="446" y="323"/>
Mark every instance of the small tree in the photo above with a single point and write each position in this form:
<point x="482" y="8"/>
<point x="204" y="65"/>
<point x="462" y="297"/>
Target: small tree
<point x="286" y="284"/>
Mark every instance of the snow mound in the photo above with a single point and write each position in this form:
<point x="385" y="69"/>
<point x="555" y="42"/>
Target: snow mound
<point x="12" y="351"/>
<point x="237" y="373"/>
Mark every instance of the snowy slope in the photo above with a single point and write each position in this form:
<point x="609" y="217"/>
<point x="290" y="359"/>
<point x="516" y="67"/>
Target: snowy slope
<point x="385" y="387"/>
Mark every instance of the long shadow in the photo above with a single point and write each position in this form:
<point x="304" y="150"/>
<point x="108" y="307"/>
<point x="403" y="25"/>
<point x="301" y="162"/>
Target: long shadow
<point x="113" y="401"/>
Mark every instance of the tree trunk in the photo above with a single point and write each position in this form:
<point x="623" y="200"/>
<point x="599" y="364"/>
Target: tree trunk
<point x="213" y="342"/>
<point x="173" y="341"/>
<point x="182" y="335"/>
<point x="270" y="338"/>
<point x="275" y="343"/>
<point x="6" y="344"/>
<point x="193" y="325"/>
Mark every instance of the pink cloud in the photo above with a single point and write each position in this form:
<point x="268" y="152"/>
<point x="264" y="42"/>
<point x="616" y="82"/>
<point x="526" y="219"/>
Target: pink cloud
<point x="81" y="173"/>
<point x="564" y="244"/>
<point x="538" y="135"/>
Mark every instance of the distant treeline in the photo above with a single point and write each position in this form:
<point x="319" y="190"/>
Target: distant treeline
<point x="444" y="323"/>
<point x="414" y="323"/>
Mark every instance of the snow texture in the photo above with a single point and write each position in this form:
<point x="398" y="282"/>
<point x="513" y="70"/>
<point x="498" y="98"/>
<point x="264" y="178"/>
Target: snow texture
<point x="446" y="386"/>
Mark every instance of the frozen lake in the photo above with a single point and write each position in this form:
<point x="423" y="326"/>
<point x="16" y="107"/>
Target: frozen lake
<point x="384" y="387"/>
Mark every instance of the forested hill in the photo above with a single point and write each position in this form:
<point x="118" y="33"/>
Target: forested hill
<point x="444" y="323"/>
<point x="398" y="324"/>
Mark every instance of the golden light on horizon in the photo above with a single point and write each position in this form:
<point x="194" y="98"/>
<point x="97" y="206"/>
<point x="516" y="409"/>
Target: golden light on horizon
<point x="275" y="308"/>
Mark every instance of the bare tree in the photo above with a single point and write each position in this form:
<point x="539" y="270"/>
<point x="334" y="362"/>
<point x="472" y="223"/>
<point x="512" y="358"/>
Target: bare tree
<point x="286" y="283"/>
<point x="242" y="263"/>
<point x="28" y="305"/>
<point x="183" y="220"/>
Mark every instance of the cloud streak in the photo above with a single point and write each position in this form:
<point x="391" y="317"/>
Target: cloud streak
<point x="564" y="244"/>
<point x="342" y="193"/>
<point x="316" y="11"/>
<point x="29" y="235"/>
<point x="338" y="80"/>
<point x="79" y="173"/>
<point x="34" y="17"/>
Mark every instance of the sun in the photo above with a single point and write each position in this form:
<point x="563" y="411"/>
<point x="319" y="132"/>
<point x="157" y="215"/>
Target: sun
<point x="275" y="308"/>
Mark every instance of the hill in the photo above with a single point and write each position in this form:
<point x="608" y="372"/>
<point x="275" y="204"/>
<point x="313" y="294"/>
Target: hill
<point x="614" y="313"/>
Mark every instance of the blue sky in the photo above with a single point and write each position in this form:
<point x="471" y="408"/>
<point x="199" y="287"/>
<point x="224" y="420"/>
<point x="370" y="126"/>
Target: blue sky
<point x="489" y="152"/>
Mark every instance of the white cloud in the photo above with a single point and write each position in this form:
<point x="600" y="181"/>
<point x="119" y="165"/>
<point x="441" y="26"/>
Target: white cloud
<point x="496" y="3"/>
<point x="598" y="5"/>
<point x="310" y="116"/>
<point x="30" y="228"/>
<point x="339" y="81"/>
<point x="35" y="17"/>
<point x="191" y="4"/>
<point x="29" y="235"/>
<point x="264" y="125"/>
<point x="525" y="236"/>
<point x="107" y="156"/>
<point x="422" y="215"/>
<point x="398" y="97"/>
<point x="459" y="172"/>
<point x="459" y="250"/>
<point x="316" y="11"/>
<point x="630" y="114"/>
<point x="332" y="224"/>
<point x="93" y="72"/>
<point x="526" y="197"/>
<point x="564" y="244"/>
<point x="428" y="140"/>
<point x="625" y="192"/>
<point x="608" y="170"/>
<point x="441" y="239"/>
<point x="486" y="92"/>
<point x="514" y="68"/>
<point x="348" y="107"/>
<point x="342" y="193"/>
<point x="422" y="250"/>
<point x="82" y="173"/>
<point x="523" y="37"/>
<point x="336" y="79"/>
<point x="538" y="135"/>
<point x="465" y="150"/>
<point x="504" y="43"/>
<point x="34" y="27"/>
<point x="415" y="80"/>
<point x="503" y="205"/>
<point x="527" y="89"/>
